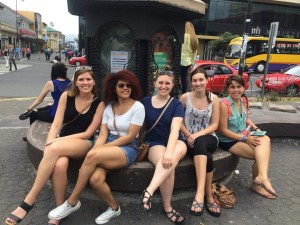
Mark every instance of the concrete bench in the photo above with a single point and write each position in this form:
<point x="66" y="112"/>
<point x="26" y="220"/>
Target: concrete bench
<point x="137" y="176"/>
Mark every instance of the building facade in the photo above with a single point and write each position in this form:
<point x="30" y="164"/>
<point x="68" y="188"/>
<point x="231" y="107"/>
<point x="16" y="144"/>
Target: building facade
<point x="55" y="39"/>
<point x="229" y="16"/>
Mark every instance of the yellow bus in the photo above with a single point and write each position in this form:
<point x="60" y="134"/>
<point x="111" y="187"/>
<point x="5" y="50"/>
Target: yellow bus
<point x="285" y="53"/>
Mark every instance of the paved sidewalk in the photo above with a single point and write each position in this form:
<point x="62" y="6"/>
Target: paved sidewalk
<point x="17" y="175"/>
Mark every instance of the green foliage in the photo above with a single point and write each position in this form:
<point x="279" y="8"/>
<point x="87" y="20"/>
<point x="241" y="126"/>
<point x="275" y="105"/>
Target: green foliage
<point x="222" y="42"/>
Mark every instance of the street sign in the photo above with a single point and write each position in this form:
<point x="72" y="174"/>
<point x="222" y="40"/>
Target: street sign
<point x="271" y="43"/>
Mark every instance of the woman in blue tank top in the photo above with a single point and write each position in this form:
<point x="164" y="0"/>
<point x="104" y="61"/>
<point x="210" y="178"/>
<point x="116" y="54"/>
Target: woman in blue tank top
<point x="57" y="85"/>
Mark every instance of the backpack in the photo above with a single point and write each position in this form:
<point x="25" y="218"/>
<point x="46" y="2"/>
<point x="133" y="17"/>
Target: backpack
<point x="226" y="102"/>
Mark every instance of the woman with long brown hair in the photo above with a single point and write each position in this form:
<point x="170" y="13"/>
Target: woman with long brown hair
<point x="81" y="112"/>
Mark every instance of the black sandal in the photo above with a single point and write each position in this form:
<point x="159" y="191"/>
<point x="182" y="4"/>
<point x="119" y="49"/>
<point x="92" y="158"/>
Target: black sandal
<point x="174" y="213"/>
<point x="17" y="220"/>
<point x="148" y="200"/>
<point x="213" y="205"/>
<point x="197" y="205"/>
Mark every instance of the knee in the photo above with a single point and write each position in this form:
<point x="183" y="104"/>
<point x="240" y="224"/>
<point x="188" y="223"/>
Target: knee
<point x="96" y="180"/>
<point x="52" y="150"/>
<point x="61" y="166"/>
<point x="90" y="157"/>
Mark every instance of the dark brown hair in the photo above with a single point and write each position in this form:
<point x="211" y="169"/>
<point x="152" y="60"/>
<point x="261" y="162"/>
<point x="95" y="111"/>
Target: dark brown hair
<point x="110" y="82"/>
<point x="201" y="70"/>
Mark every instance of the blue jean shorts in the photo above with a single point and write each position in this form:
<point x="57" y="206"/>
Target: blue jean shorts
<point x="130" y="150"/>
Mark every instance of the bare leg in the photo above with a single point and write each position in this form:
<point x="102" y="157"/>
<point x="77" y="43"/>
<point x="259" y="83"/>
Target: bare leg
<point x="74" y="148"/>
<point x="105" y="157"/>
<point x="200" y="162"/>
<point x="60" y="182"/>
<point x="101" y="188"/>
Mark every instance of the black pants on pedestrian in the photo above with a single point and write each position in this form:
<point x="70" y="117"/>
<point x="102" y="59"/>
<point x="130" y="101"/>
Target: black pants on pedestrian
<point x="205" y="145"/>
<point x="12" y="61"/>
<point x="41" y="114"/>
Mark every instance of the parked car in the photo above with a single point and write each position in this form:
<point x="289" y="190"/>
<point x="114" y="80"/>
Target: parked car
<point x="77" y="61"/>
<point x="218" y="73"/>
<point x="286" y="82"/>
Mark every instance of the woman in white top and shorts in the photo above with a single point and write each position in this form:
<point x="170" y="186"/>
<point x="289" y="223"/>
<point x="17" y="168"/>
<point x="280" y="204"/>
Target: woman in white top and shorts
<point x="116" y="146"/>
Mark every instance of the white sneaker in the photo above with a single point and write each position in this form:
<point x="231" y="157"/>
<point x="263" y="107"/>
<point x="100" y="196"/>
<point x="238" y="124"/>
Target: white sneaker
<point x="63" y="210"/>
<point x="107" y="215"/>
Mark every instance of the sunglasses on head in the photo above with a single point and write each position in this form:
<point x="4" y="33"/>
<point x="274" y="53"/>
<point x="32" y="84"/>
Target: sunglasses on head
<point x="83" y="68"/>
<point x="165" y="72"/>
<point x="122" y="85"/>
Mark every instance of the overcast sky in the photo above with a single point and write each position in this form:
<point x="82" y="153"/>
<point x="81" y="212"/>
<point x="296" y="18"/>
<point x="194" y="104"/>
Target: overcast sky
<point x="55" y="11"/>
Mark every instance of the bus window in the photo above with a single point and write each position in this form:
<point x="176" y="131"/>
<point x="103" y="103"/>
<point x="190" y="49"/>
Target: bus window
<point x="296" y="48"/>
<point x="264" y="47"/>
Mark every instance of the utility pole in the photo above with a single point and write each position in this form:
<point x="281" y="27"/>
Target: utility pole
<point x="248" y="18"/>
<point x="17" y="39"/>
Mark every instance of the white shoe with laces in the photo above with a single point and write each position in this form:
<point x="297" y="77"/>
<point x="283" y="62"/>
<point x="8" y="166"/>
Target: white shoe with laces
<point x="63" y="210"/>
<point x="108" y="215"/>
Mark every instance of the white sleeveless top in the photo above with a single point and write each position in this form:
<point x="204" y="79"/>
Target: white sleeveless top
<point x="196" y="120"/>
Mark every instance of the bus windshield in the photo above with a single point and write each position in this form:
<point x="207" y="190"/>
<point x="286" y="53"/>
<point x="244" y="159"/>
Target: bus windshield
<point x="233" y="51"/>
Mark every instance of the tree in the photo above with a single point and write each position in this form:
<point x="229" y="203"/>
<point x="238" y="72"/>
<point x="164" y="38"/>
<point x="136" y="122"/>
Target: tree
<point x="222" y="42"/>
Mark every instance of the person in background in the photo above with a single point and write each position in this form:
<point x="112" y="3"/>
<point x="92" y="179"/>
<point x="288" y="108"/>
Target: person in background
<point x="188" y="53"/>
<point x="115" y="148"/>
<point x="233" y="121"/>
<point x="57" y="85"/>
<point x="28" y="53"/>
<point x="18" y="51"/>
<point x="202" y="113"/>
<point x="166" y="144"/>
<point x="5" y="54"/>
<point x="11" y="52"/>
<point x="78" y="116"/>
<point x="23" y="52"/>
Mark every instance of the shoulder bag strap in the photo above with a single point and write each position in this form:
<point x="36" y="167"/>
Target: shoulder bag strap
<point x="79" y="113"/>
<point x="159" y="116"/>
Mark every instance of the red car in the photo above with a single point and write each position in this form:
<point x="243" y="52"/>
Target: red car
<point x="78" y="61"/>
<point x="218" y="73"/>
<point x="285" y="82"/>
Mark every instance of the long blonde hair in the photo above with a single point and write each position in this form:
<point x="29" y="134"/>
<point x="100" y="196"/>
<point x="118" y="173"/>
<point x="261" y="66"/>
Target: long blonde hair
<point x="190" y="30"/>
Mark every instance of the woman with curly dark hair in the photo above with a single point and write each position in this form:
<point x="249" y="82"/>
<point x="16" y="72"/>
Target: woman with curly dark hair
<point x="116" y="146"/>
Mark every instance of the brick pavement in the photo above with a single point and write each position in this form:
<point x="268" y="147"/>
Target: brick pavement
<point x="17" y="175"/>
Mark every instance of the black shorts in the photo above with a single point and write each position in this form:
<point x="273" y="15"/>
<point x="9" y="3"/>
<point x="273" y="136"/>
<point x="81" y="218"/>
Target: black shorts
<point x="227" y="145"/>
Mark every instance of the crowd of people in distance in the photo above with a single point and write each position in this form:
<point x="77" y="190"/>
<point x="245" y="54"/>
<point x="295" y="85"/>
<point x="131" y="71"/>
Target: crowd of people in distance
<point x="194" y="125"/>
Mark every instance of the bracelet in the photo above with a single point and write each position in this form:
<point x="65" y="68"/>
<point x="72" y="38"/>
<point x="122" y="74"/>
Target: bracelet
<point x="188" y="136"/>
<point x="243" y="138"/>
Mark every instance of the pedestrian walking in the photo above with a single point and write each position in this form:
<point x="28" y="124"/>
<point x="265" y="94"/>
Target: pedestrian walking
<point x="23" y="52"/>
<point x="5" y="54"/>
<point x="28" y="53"/>
<point x="11" y="53"/>
<point x="18" y="53"/>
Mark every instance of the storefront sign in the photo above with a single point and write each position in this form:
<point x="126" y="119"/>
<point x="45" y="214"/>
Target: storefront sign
<point x="27" y="33"/>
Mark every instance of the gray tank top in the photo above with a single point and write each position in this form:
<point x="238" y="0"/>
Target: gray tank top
<point x="196" y="120"/>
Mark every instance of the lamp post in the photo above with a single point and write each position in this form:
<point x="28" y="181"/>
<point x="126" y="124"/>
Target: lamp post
<point x="17" y="38"/>
<point x="247" y="21"/>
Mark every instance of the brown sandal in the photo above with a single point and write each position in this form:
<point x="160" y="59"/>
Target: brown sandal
<point x="260" y="183"/>
<point x="26" y="207"/>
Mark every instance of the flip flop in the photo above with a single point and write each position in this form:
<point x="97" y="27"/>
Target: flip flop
<point x="197" y="205"/>
<point x="260" y="183"/>
<point x="208" y="207"/>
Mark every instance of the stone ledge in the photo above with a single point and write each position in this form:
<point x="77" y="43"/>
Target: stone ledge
<point x="255" y="105"/>
<point x="137" y="176"/>
<point x="282" y="108"/>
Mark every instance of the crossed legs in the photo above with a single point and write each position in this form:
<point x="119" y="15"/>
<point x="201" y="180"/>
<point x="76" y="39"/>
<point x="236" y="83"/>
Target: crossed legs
<point x="261" y="155"/>
<point x="73" y="148"/>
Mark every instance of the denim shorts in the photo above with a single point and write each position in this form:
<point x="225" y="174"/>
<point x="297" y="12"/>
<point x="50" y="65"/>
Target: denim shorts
<point x="90" y="143"/>
<point x="130" y="150"/>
